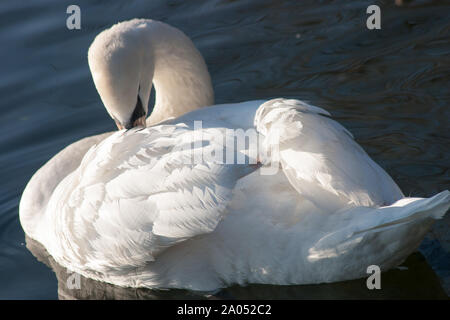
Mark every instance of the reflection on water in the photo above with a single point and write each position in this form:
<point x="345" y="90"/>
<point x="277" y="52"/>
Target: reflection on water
<point x="389" y="87"/>
<point x="413" y="280"/>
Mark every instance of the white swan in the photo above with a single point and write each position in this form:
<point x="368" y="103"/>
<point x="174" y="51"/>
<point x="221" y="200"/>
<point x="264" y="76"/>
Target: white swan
<point x="126" y="207"/>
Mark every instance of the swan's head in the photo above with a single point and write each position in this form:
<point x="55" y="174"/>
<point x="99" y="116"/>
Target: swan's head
<point x="126" y="59"/>
<point x="122" y="72"/>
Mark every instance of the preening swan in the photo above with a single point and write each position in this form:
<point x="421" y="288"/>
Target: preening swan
<point x="144" y="206"/>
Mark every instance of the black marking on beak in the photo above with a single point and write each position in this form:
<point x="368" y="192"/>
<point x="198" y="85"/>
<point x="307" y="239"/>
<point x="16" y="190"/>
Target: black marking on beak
<point x="137" y="113"/>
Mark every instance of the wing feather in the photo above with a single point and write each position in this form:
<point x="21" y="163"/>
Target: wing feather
<point x="320" y="157"/>
<point x="139" y="192"/>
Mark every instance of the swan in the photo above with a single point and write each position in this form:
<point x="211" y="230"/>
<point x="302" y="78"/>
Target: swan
<point x="131" y="207"/>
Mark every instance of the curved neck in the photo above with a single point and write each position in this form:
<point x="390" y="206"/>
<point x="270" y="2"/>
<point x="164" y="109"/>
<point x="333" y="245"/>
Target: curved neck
<point x="180" y="76"/>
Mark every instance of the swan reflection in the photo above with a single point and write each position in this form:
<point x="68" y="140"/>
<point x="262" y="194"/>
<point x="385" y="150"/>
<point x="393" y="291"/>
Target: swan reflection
<point x="414" y="280"/>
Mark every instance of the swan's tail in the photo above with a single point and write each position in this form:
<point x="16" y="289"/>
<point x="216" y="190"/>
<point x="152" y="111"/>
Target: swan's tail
<point x="411" y="210"/>
<point x="396" y="231"/>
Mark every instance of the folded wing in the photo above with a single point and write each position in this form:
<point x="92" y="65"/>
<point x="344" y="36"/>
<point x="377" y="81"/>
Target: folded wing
<point x="140" y="192"/>
<point x="320" y="157"/>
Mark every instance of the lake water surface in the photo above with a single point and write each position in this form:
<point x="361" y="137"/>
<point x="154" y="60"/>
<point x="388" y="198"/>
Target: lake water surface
<point x="389" y="87"/>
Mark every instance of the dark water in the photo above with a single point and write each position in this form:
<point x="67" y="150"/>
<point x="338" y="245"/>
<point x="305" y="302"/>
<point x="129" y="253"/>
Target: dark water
<point x="390" y="87"/>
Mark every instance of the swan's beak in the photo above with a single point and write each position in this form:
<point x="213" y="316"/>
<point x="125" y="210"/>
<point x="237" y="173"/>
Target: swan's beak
<point x="139" y="122"/>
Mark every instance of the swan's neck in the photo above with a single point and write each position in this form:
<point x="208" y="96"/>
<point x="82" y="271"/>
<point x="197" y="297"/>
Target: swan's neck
<point x="180" y="77"/>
